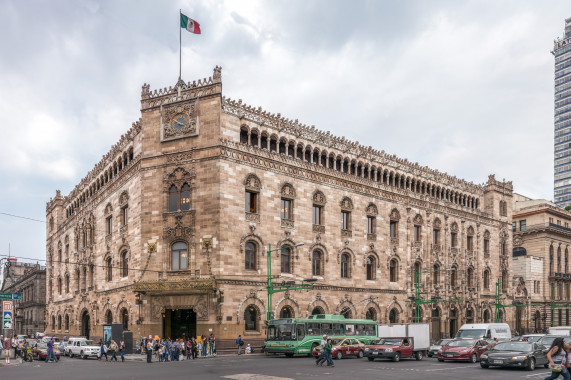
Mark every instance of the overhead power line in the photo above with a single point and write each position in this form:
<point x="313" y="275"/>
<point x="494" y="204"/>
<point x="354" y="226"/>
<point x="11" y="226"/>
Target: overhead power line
<point x="22" y="217"/>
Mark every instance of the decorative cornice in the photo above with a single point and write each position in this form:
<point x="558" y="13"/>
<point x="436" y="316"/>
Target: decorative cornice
<point x="174" y="285"/>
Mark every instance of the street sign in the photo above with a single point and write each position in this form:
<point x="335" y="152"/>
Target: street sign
<point x="7" y="309"/>
<point x="10" y="296"/>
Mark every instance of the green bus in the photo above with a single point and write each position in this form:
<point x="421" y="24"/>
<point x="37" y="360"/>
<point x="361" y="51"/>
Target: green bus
<point x="292" y="336"/>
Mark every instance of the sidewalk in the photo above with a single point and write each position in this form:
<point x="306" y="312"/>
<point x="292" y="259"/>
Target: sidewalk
<point x="143" y="358"/>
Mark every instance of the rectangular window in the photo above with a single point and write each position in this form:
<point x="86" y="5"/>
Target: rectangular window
<point x="317" y="215"/>
<point x="550" y="220"/>
<point x="109" y="225"/>
<point x="251" y="202"/>
<point x="125" y="215"/>
<point x="370" y="224"/>
<point x="417" y="233"/>
<point x="435" y="236"/>
<point x="522" y="225"/>
<point x="345" y="220"/>
<point x="453" y="239"/>
<point x="469" y="243"/>
<point x="514" y="226"/>
<point x="394" y="229"/>
<point x="486" y="246"/>
<point x="286" y="209"/>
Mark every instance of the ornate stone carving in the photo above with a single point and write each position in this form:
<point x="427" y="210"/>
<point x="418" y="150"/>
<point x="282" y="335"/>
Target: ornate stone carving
<point x="436" y="248"/>
<point x="199" y="303"/>
<point x="417" y="220"/>
<point x="318" y="228"/>
<point x="372" y="237"/>
<point x="372" y="210"/>
<point x="287" y="191"/>
<point x="180" y="121"/>
<point x="178" y="177"/>
<point x="251" y="217"/>
<point x="346" y="203"/>
<point x="123" y="198"/>
<point x="454" y="227"/>
<point x="319" y="198"/>
<point x="180" y="229"/>
<point x="287" y="223"/>
<point x="346" y="233"/>
<point x="394" y="241"/>
<point x="395" y="215"/>
<point x="517" y="241"/>
<point x="252" y="183"/>
<point x="437" y="223"/>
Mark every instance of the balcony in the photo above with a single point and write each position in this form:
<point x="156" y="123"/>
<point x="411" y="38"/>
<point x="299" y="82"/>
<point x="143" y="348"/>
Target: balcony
<point x="561" y="276"/>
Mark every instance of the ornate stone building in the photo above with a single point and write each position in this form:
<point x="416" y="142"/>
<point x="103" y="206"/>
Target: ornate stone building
<point x="29" y="280"/>
<point x="168" y="233"/>
<point x="542" y="241"/>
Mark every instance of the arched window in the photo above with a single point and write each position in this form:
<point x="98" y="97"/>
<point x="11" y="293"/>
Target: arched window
<point x="371" y="264"/>
<point x="125" y="319"/>
<point x="559" y="259"/>
<point x="486" y="279"/>
<point x="179" y="254"/>
<point x="346" y="312"/>
<point x="393" y="316"/>
<point x="393" y="269"/>
<point x="53" y="322"/>
<point x="371" y="314"/>
<point x="436" y="274"/>
<point x="66" y="322"/>
<point x="416" y="273"/>
<point x="453" y="274"/>
<point x="469" y="315"/>
<point x="251" y="318"/>
<point x="285" y="260"/>
<point x="125" y="264"/>
<point x="316" y="263"/>
<point x="470" y="277"/>
<point x="59" y="322"/>
<point x="185" y="197"/>
<point x="551" y="260"/>
<point x="67" y="283"/>
<point x="108" y="317"/>
<point x="84" y="287"/>
<point x="250" y="256"/>
<point x="173" y="198"/>
<point x="345" y="265"/>
<point x="505" y="280"/>
<point x="59" y="285"/>
<point x="78" y="280"/>
<point x="109" y="269"/>
<point x="286" y="312"/>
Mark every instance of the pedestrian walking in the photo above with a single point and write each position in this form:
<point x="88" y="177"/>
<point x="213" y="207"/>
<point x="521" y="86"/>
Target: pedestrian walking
<point x="557" y="357"/>
<point x="51" y="351"/>
<point x="113" y="348"/>
<point x="122" y="350"/>
<point x="240" y="343"/>
<point x="327" y="355"/>
<point x="102" y="350"/>
<point x="321" y="349"/>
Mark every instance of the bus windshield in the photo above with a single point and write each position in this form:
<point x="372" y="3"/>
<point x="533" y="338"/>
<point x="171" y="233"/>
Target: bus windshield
<point x="471" y="334"/>
<point x="280" y="332"/>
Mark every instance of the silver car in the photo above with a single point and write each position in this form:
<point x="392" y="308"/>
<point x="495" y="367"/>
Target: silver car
<point x="433" y="350"/>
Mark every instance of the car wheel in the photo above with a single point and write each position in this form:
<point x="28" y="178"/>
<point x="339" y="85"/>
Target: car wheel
<point x="473" y="358"/>
<point x="418" y="355"/>
<point x="361" y="354"/>
<point x="484" y="365"/>
<point x="70" y="354"/>
<point x="530" y="364"/>
<point x="83" y="355"/>
<point x="440" y="360"/>
<point x="396" y="358"/>
<point x="339" y="355"/>
<point x="370" y="359"/>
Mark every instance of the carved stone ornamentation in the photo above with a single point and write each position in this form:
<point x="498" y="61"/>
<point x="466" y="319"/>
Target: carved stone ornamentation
<point x="346" y="204"/>
<point x="437" y="223"/>
<point x="319" y="198"/>
<point x="372" y="210"/>
<point x="394" y="241"/>
<point x="371" y="237"/>
<point x="346" y="233"/>
<point x="252" y="183"/>
<point x="287" y="191"/>
<point x="395" y="214"/>
<point x="287" y="223"/>
<point x="318" y="228"/>
<point x="251" y="217"/>
<point x="179" y="121"/>
<point x="417" y="220"/>
<point x="454" y="227"/>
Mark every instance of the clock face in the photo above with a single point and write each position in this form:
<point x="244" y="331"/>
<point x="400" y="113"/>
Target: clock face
<point x="179" y="123"/>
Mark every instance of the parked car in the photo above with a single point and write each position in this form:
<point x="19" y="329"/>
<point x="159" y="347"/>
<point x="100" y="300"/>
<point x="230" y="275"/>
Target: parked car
<point x="547" y="340"/>
<point x="62" y="348"/>
<point x="515" y="354"/>
<point x="433" y="350"/>
<point x="488" y="331"/>
<point x="83" y="348"/>
<point x="40" y="352"/>
<point x="70" y="343"/>
<point x="46" y="339"/>
<point x="344" y="347"/>
<point x="392" y="348"/>
<point x="463" y="349"/>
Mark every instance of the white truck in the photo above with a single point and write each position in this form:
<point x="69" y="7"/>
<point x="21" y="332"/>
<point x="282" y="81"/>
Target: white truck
<point x="83" y="348"/>
<point x="485" y="331"/>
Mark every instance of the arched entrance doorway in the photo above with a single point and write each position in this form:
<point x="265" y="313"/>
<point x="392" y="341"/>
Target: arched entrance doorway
<point x="518" y="317"/>
<point x="486" y="316"/>
<point x="537" y="321"/>
<point x="317" y="310"/>
<point x="435" y="324"/>
<point x="85" y="319"/>
<point x="453" y="322"/>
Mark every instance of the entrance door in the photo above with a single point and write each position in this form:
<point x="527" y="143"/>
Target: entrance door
<point x="435" y="325"/>
<point x="453" y="321"/>
<point x="179" y="323"/>
<point x="85" y="324"/>
<point x="518" y="317"/>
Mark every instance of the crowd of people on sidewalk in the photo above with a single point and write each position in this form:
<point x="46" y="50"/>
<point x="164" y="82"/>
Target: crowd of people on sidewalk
<point x="164" y="350"/>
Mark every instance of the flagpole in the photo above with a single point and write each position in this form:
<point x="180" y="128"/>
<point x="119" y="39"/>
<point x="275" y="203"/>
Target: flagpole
<point x="179" y="44"/>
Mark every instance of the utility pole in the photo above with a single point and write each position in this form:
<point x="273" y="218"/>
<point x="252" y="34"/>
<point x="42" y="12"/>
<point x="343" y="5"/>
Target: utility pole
<point x="285" y="286"/>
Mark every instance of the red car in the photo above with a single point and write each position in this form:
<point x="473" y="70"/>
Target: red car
<point x="40" y="352"/>
<point x="463" y="349"/>
<point x="344" y="347"/>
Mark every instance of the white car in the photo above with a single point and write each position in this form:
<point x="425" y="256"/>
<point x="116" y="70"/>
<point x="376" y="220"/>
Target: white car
<point x="83" y="348"/>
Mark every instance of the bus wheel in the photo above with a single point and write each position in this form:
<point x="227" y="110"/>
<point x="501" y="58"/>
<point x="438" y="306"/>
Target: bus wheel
<point x="289" y="355"/>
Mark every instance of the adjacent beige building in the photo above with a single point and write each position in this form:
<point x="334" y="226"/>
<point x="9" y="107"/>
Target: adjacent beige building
<point x="541" y="240"/>
<point x="168" y="234"/>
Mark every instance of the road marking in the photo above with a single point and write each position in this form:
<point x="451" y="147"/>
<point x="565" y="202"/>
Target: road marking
<point x="252" y="376"/>
<point x="538" y="375"/>
<point x="444" y="369"/>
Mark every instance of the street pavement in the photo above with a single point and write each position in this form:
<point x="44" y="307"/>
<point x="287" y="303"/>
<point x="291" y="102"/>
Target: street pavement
<point x="260" y="367"/>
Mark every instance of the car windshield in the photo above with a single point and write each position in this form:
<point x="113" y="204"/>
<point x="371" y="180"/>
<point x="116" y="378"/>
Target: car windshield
<point x="513" y="346"/>
<point x="547" y="340"/>
<point x="338" y="342"/>
<point x="443" y="342"/>
<point x="42" y="346"/>
<point x="388" y="341"/>
<point x="280" y="332"/>
<point x="461" y="343"/>
<point x="535" y="338"/>
<point x="87" y="343"/>
<point x="476" y="333"/>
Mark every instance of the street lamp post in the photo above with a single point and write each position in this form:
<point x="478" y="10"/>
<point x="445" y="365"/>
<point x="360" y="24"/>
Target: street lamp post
<point x="290" y="285"/>
<point x="418" y="294"/>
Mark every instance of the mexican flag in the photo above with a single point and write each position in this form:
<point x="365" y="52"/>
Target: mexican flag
<point x="189" y="24"/>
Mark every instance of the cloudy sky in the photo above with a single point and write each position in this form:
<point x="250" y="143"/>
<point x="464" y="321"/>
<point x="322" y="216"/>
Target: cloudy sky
<point x="465" y="87"/>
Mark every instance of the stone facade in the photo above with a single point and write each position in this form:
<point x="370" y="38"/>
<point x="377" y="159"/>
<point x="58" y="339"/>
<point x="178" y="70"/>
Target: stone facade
<point x="29" y="280"/>
<point x="541" y="241"/>
<point x="211" y="184"/>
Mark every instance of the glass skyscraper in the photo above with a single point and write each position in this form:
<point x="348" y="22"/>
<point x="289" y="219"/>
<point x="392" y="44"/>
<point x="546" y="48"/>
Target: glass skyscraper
<point x="562" y="118"/>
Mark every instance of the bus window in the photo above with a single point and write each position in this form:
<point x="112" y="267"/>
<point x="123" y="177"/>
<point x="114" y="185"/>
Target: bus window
<point x="360" y="329"/>
<point x="300" y="332"/>
<point x="313" y="329"/>
<point x="337" y="329"/>
<point x="327" y="328"/>
<point x="349" y="329"/>
<point x="370" y="330"/>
